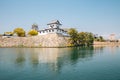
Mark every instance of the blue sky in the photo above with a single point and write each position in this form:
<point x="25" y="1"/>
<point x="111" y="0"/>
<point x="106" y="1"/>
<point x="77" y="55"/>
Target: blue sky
<point x="97" y="16"/>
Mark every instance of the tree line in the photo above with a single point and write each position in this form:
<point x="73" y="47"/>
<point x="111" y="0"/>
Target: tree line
<point x="22" y="33"/>
<point x="80" y="38"/>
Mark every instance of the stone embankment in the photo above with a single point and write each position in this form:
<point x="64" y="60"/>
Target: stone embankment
<point x="107" y="43"/>
<point x="49" y="40"/>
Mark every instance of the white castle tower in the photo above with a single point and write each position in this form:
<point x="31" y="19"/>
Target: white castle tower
<point x="54" y="24"/>
<point x="53" y="27"/>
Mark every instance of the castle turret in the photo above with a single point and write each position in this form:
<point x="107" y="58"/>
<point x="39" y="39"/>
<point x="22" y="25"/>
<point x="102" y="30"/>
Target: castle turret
<point x="54" y="27"/>
<point x="54" y="24"/>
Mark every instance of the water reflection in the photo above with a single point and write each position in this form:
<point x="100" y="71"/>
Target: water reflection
<point x="98" y="49"/>
<point x="55" y="58"/>
<point x="52" y="57"/>
<point x="20" y="57"/>
<point x="84" y="63"/>
<point x="113" y="49"/>
<point x="81" y="54"/>
<point x="109" y="48"/>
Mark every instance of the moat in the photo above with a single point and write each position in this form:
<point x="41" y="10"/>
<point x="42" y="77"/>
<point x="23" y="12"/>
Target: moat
<point x="80" y="63"/>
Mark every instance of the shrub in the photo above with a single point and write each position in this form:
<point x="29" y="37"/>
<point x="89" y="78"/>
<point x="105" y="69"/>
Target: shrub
<point x="19" y="31"/>
<point x="33" y="32"/>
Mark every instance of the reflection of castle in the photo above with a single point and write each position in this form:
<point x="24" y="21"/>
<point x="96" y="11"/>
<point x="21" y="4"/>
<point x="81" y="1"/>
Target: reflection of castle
<point x="49" y="57"/>
<point x="54" y="58"/>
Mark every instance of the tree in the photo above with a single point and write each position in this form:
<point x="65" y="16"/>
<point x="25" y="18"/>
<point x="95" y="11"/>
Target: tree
<point x="89" y="38"/>
<point x="73" y="36"/>
<point x="81" y="38"/>
<point x="35" y="27"/>
<point x="19" y="31"/>
<point x="33" y="32"/>
<point x="85" y="38"/>
<point x="100" y="38"/>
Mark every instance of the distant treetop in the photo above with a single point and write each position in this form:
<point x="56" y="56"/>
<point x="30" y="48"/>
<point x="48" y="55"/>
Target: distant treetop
<point x="35" y="27"/>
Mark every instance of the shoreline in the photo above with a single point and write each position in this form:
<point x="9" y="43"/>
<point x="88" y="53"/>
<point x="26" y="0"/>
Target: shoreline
<point x="106" y="43"/>
<point x="98" y="44"/>
<point x="46" y="41"/>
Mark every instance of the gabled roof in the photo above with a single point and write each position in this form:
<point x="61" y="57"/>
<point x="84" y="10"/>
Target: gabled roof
<point x="54" y="22"/>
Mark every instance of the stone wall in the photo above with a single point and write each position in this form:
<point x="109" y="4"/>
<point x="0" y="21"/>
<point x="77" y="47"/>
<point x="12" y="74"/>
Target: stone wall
<point x="49" y="40"/>
<point x="107" y="43"/>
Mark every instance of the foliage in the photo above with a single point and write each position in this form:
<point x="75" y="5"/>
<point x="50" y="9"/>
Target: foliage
<point x="20" y="32"/>
<point x="33" y="32"/>
<point x="100" y="38"/>
<point x="35" y="27"/>
<point x="8" y="33"/>
<point x="82" y="38"/>
<point x="70" y="45"/>
<point x="85" y="38"/>
<point x="74" y="35"/>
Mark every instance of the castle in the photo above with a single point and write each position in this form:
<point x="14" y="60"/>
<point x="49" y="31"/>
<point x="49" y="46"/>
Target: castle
<point x="53" y="27"/>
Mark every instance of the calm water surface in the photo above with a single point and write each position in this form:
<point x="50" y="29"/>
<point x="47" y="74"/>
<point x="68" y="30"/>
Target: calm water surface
<point x="93" y="63"/>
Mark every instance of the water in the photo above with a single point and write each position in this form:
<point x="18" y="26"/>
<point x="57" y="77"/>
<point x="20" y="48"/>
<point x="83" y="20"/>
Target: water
<point x="92" y="63"/>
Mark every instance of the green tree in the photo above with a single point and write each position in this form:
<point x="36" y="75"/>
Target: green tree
<point x="100" y="39"/>
<point x="19" y="31"/>
<point x="89" y="38"/>
<point x="81" y="38"/>
<point x="73" y="36"/>
<point x="33" y="32"/>
<point x="85" y="38"/>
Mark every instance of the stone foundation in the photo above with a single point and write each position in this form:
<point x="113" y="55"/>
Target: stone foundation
<point x="49" y="40"/>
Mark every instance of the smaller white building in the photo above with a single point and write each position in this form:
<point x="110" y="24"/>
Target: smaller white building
<point x="53" y="27"/>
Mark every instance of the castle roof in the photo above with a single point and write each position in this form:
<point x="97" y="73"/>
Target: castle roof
<point x="54" y="22"/>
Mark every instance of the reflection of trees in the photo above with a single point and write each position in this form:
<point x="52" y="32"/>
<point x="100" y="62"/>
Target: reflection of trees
<point x="81" y="53"/>
<point x="54" y="58"/>
<point x="20" y="56"/>
<point x="34" y="57"/>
